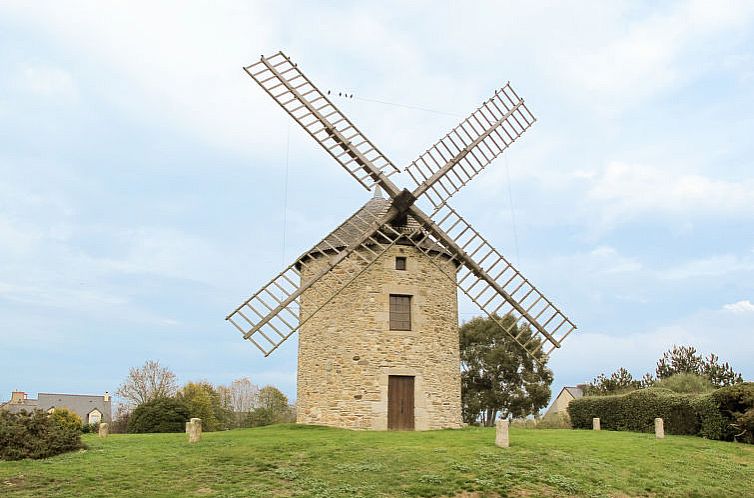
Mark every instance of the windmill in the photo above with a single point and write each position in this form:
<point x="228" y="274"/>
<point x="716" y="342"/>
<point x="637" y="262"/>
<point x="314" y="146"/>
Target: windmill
<point x="375" y="301"/>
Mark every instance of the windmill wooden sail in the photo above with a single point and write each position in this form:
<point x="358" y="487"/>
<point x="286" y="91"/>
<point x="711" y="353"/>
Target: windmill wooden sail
<point x="271" y="315"/>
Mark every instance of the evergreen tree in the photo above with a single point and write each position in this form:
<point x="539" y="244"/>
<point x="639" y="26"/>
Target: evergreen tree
<point x="498" y="376"/>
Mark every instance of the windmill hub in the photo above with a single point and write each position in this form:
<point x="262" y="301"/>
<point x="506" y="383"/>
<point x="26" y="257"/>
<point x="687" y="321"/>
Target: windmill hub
<point x="401" y="204"/>
<point x="375" y="301"/>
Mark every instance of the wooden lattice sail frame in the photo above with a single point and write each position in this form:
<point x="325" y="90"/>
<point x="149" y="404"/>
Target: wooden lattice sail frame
<point x="271" y="315"/>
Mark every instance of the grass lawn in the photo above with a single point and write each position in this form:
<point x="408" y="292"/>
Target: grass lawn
<point x="322" y="462"/>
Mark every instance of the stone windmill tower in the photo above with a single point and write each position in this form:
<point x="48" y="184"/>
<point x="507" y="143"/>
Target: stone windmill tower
<point x="375" y="302"/>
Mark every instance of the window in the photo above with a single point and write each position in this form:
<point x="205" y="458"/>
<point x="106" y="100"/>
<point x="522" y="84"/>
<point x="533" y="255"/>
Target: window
<point x="400" y="312"/>
<point x="95" y="416"/>
<point x="400" y="263"/>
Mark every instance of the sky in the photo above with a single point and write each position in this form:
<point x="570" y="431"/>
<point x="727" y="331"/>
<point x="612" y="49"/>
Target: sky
<point x="148" y="185"/>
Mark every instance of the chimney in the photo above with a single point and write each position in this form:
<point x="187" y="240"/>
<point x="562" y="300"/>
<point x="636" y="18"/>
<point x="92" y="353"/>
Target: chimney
<point x="17" y="397"/>
<point x="106" y="397"/>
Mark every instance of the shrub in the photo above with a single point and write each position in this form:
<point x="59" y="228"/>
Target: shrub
<point x="734" y="404"/>
<point x="712" y="424"/>
<point x="67" y="419"/>
<point x="636" y="411"/>
<point x="259" y="417"/>
<point x="686" y="383"/>
<point x="159" y="415"/>
<point x="119" y="422"/>
<point x="745" y="424"/>
<point x="725" y="414"/>
<point x="90" y="429"/>
<point x="37" y="435"/>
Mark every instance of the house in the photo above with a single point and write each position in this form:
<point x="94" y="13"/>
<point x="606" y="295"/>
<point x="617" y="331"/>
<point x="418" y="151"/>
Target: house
<point x="564" y="398"/>
<point x="91" y="409"/>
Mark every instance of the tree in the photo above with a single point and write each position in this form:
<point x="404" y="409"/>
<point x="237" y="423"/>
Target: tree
<point x="272" y="408"/>
<point x="497" y="374"/>
<point x="243" y="395"/>
<point x="150" y="381"/>
<point x="720" y="375"/>
<point x="159" y="415"/>
<point x="685" y="359"/>
<point x="119" y="423"/>
<point x="687" y="383"/>
<point x="619" y="382"/>
<point x="205" y="402"/>
<point x="679" y="359"/>
<point x="239" y="398"/>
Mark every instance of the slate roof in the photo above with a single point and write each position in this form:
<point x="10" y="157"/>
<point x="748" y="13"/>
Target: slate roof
<point x="27" y="404"/>
<point x="351" y="229"/>
<point x="80" y="404"/>
<point x="576" y="392"/>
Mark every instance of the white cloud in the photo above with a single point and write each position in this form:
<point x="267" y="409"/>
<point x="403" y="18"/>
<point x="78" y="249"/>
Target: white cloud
<point x="710" y="331"/>
<point x="178" y="63"/>
<point x="46" y="82"/>
<point x="624" y="191"/>
<point x="651" y="54"/>
<point x="744" y="306"/>
<point x="711" y="266"/>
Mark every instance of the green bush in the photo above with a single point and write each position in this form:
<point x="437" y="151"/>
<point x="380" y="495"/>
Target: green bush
<point x="90" y="429"/>
<point x="734" y="403"/>
<point x="745" y="425"/>
<point x="686" y="383"/>
<point x="67" y="418"/>
<point x="725" y="414"/>
<point x="636" y="411"/>
<point x="712" y="424"/>
<point x="159" y="415"/>
<point x="37" y="435"/>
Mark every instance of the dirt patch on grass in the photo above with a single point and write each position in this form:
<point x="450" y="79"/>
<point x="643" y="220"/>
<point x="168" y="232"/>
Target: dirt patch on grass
<point x="14" y="482"/>
<point x="475" y="494"/>
<point x="543" y="491"/>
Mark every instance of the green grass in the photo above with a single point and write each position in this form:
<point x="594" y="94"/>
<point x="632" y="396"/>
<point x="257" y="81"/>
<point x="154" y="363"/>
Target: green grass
<point x="321" y="462"/>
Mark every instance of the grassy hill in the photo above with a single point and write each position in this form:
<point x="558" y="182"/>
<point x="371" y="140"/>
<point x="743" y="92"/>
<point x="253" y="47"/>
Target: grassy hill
<point x="321" y="462"/>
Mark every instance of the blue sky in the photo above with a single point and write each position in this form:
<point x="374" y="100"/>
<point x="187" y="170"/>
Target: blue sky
<point x="143" y="173"/>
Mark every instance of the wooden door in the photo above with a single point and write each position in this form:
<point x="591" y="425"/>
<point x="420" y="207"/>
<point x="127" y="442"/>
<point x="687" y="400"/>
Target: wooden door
<point x="400" y="403"/>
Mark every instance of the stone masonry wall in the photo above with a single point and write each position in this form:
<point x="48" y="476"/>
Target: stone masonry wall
<point x="347" y="352"/>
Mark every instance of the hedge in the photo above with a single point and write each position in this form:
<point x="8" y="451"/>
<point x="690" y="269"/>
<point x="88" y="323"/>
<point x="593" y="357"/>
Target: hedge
<point x="636" y="411"/>
<point x="727" y="413"/>
<point x="736" y="405"/>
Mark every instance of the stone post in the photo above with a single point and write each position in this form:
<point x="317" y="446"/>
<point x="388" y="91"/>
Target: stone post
<point x="659" y="428"/>
<point x="194" y="429"/>
<point x="595" y="424"/>
<point x="501" y="433"/>
<point x="104" y="429"/>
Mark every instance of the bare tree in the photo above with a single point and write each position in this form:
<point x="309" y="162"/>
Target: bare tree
<point x="243" y="395"/>
<point x="240" y="397"/>
<point x="148" y="382"/>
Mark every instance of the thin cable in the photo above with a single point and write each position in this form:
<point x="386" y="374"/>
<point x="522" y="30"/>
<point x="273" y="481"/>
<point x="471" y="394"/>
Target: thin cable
<point x="513" y="211"/>
<point x="285" y="191"/>
<point x="416" y="108"/>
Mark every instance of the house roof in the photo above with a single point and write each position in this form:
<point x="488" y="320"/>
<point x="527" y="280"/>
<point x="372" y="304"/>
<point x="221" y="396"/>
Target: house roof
<point x="27" y="404"/>
<point x="355" y="226"/>
<point x="80" y="404"/>
<point x="576" y="392"/>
